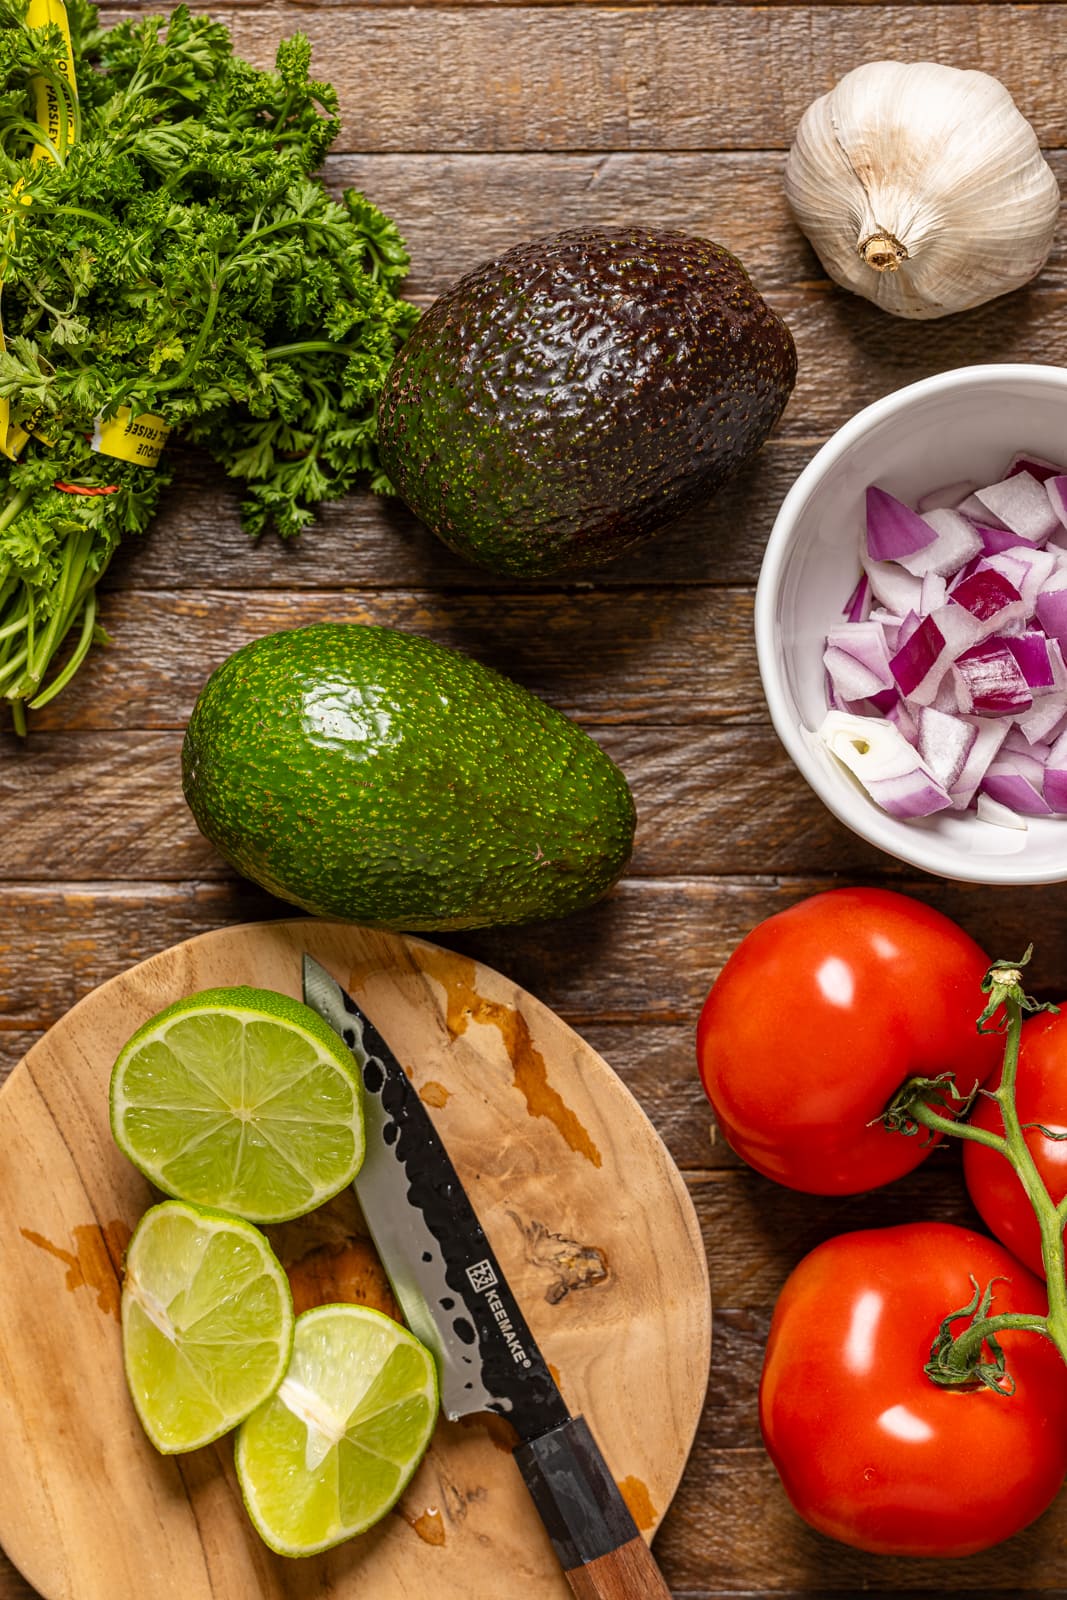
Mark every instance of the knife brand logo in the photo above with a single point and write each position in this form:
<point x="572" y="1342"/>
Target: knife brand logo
<point x="481" y="1277"/>
<point x="483" y="1280"/>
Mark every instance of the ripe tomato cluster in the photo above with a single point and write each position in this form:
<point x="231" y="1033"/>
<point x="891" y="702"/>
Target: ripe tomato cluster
<point x="821" y="1014"/>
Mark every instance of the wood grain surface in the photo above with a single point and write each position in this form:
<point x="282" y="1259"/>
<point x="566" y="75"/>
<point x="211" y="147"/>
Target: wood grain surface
<point x="478" y="124"/>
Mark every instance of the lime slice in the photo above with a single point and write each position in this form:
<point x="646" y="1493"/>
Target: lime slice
<point x="334" y="1448"/>
<point x="241" y="1099"/>
<point x="207" y="1323"/>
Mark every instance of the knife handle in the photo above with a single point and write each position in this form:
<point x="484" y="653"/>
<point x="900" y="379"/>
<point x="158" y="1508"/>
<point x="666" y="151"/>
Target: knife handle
<point x="596" y="1539"/>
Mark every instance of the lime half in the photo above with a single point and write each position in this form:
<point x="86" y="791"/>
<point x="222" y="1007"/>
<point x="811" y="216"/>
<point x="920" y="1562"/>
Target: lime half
<point x="334" y="1448"/>
<point x="207" y="1323"/>
<point x="241" y="1099"/>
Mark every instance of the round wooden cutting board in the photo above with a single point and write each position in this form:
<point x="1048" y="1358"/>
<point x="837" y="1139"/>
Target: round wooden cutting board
<point x="581" y="1201"/>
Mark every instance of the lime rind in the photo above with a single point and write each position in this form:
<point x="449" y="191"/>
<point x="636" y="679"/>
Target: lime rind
<point x="207" y="1324"/>
<point x="331" y="1452"/>
<point x="240" y="1099"/>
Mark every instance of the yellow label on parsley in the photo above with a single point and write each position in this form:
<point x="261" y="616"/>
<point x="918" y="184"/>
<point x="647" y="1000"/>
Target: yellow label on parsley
<point x="52" y="105"/>
<point x="129" y="438"/>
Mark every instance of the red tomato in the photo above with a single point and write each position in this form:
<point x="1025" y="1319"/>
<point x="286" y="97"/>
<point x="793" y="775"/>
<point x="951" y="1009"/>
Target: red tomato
<point x="868" y="1449"/>
<point x="1040" y="1096"/>
<point x="820" y="1015"/>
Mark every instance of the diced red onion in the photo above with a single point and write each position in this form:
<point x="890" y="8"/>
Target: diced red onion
<point x="1012" y="789"/>
<point x="1034" y="465"/>
<point x="1056" y="489"/>
<point x="1051" y="611"/>
<point x="887" y="766"/>
<point x="973" y="509"/>
<point x="990" y="810"/>
<point x="992" y="675"/>
<point x="1056" y="775"/>
<point x="1031" y="653"/>
<point x="955" y="540"/>
<point x="894" y="530"/>
<point x="990" y="597"/>
<point x="946" y="680"/>
<point x="857" y="607"/>
<point x="989" y="736"/>
<point x="892" y="587"/>
<point x="944" y="744"/>
<point x="995" y="539"/>
<point x="1021" y="504"/>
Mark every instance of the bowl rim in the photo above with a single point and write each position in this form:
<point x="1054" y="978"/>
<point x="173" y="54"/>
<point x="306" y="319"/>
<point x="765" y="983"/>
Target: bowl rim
<point x="916" y="848"/>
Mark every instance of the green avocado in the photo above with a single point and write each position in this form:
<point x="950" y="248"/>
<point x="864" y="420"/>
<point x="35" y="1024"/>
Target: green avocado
<point x="370" y="774"/>
<point x="564" y="402"/>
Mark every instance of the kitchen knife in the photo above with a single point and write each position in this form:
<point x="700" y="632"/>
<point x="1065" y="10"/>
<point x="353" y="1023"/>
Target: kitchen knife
<point x="457" y="1301"/>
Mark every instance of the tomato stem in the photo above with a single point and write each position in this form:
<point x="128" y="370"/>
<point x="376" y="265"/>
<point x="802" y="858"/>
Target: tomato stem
<point x="959" y="1359"/>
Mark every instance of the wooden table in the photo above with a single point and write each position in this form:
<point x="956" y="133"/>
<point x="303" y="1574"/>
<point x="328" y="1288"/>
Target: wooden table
<point x="478" y="125"/>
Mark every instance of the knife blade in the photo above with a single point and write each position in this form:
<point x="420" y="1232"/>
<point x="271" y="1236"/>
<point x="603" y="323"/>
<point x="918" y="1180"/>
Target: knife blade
<point x="457" y="1301"/>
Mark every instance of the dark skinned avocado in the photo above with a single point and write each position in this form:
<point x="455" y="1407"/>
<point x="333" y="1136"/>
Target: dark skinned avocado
<point x="370" y="774"/>
<point x="564" y="402"/>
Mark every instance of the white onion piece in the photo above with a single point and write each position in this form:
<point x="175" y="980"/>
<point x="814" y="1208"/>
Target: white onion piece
<point x="944" y="744"/>
<point x="1056" y="489"/>
<point x="955" y="541"/>
<point x="992" y="811"/>
<point x="988" y="738"/>
<point x="888" y="767"/>
<point x="1021" y="504"/>
<point x="894" y="588"/>
<point x="1056" y="775"/>
<point x="1014" y="790"/>
<point x="973" y="509"/>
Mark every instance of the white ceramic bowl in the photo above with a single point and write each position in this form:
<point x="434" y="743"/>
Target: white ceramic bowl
<point x="959" y="425"/>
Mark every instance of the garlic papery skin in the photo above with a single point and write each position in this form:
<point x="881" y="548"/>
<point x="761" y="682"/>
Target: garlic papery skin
<point x="922" y="187"/>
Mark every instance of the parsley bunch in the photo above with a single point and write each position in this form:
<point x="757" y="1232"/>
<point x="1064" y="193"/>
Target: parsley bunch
<point x="170" y="251"/>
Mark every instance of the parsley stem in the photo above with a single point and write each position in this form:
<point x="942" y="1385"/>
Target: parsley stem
<point x="17" y="503"/>
<point x="308" y="347"/>
<point x="81" y="650"/>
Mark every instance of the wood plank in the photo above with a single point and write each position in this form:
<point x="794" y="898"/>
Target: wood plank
<point x="367" y="541"/>
<point x="166" y="645"/>
<point x="645" y="955"/>
<point x="710" y="800"/>
<point x="627" y="78"/>
<point x="494" y="201"/>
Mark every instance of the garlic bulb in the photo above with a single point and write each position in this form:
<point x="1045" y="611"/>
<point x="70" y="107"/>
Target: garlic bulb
<point x="922" y="187"/>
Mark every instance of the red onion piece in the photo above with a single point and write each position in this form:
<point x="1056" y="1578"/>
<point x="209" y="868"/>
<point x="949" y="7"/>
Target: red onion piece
<point x="1018" y="793"/>
<point x="996" y="539"/>
<point x="1056" y="489"/>
<point x="1041" y="470"/>
<point x="1056" y="775"/>
<point x="992" y="675"/>
<point x="956" y="540"/>
<point x="944" y="744"/>
<point x="973" y="509"/>
<point x="1021" y="504"/>
<point x="892" y="587"/>
<point x="990" y="597"/>
<point x="1051" y="612"/>
<point x="989" y="736"/>
<point x="883" y="761"/>
<point x="857" y="607"/>
<point x="894" y="530"/>
<point x="1031" y="653"/>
